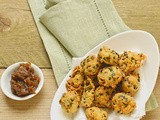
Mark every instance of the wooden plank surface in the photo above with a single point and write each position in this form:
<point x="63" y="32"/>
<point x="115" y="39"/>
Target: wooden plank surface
<point x="19" y="38"/>
<point x="141" y="15"/>
<point x="18" y="30"/>
<point x="20" y="41"/>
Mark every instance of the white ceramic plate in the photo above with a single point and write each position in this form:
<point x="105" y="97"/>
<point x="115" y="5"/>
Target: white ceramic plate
<point x="6" y="78"/>
<point x="134" y="40"/>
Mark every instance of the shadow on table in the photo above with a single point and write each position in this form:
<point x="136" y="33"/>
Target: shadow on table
<point x="26" y="104"/>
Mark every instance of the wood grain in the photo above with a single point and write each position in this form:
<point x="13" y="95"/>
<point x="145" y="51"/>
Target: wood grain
<point x="140" y="15"/>
<point x="19" y="38"/>
<point x="18" y="30"/>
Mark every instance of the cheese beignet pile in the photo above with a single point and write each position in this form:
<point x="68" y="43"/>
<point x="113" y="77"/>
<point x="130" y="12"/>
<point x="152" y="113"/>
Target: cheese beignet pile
<point x="107" y="80"/>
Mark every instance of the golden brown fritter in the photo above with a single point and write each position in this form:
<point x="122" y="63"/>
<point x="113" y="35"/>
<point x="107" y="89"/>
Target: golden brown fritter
<point x="70" y="101"/>
<point x="130" y="62"/>
<point x="108" y="56"/>
<point x="75" y="82"/>
<point x="103" y="96"/>
<point x="123" y="103"/>
<point x="88" y="93"/>
<point x="131" y="84"/>
<point x="90" y="65"/>
<point x="95" y="113"/>
<point x="110" y="76"/>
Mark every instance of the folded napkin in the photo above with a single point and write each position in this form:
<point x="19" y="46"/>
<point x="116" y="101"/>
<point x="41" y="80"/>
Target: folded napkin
<point x="70" y="28"/>
<point x="80" y="25"/>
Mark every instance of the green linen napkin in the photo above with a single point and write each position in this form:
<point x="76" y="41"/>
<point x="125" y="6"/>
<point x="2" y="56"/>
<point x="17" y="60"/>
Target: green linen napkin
<point x="80" y="25"/>
<point x="75" y="27"/>
<point x="59" y="57"/>
<point x="50" y="3"/>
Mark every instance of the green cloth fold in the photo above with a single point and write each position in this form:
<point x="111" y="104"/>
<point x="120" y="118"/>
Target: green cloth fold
<point x="74" y="27"/>
<point x="50" y="3"/>
<point x="59" y="57"/>
<point x="85" y="22"/>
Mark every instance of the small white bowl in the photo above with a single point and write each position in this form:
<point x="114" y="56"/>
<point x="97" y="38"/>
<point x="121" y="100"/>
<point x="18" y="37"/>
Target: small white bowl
<point x="6" y="78"/>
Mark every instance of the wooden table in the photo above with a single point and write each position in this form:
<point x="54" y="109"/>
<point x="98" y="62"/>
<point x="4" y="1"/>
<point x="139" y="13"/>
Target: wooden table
<point x="20" y="41"/>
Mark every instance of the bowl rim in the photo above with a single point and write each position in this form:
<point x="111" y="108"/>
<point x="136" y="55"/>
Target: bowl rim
<point x="13" y="67"/>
